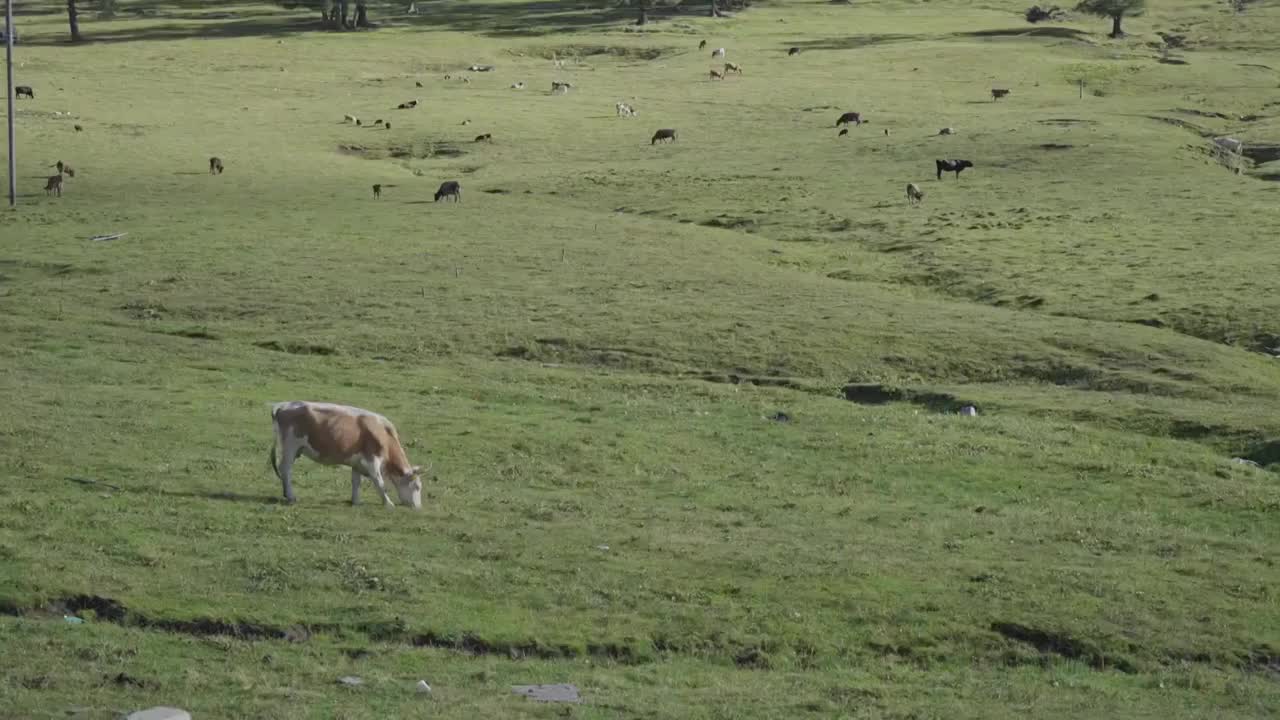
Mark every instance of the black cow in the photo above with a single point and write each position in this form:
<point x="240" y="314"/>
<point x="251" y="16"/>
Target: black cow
<point x="377" y="190"/>
<point x="702" y="44"/>
<point x="849" y="117"/>
<point x="215" y="166"/>
<point x="487" y="137"/>
<point x="793" y="51"/>
<point x="664" y="134"/>
<point x="449" y="188"/>
<point x="20" y="90"/>
<point x="952" y="166"/>
<point x="997" y="93"/>
<point x="843" y="132"/>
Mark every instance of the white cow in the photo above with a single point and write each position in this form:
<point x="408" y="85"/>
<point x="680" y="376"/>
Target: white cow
<point x="331" y="434"/>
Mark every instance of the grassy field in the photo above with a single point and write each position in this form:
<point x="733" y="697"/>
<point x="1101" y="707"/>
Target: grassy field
<point x="591" y="348"/>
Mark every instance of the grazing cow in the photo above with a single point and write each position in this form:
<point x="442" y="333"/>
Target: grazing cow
<point x="377" y="190"/>
<point x="449" y="188"/>
<point x="20" y="90"/>
<point x="330" y="434"/>
<point x="377" y="122"/>
<point x="560" y="87"/>
<point x="79" y="128"/>
<point x="717" y="53"/>
<point x="947" y="131"/>
<point x="849" y="117"/>
<point x="952" y="166"/>
<point x="717" y="75"/>
<point x="418" y="83"/>
<point x="517" y="86"/>
<point x="843" y="132"/>
<point x="358" y="124"/>
<point x="997" y="93"/>
<point x="54" y="185"/>
<point x="487" y="137"/>
<point x="215" y="166"/>
<point x="387" y="126"/>
<point x="732" y="67"/>
<point x="667" y="134"/>
<point x="702" y="44"/>
<point x="625" y="110"/>
<point x="793" y="51"/>
<point x="914" y="194"/>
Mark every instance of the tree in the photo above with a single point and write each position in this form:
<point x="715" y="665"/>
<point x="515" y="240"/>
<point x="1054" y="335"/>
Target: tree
<point x="1114" y="9"/>
<point x="73" y="19"/>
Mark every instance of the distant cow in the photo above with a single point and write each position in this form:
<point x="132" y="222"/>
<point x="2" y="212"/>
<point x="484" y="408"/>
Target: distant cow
<point x="849" y="117"/>
<point x="702" y="44"/>
<point x="667" y="134"/>
<point x="947" y="131"/>
<point x="377" y="191"/>
<point x="717" y="75"/>
<point x="517" y="85"/>
<point x="997" y="93"/>
<point x="79" y="128"/>
<point x="65" y="169"/>
<point x="387" y="126"/>
<point x="349" y="119"/>
<point x="418" y="83"/>
<point x="20" y="90"/>
<point x="625" y="110"/>
<point x="886" y="132"/>
<point x="330" y="434"/>
<point x="560" y="87"/>
<point x="54" y="185"/>
<point x="914" y="194"/>
<point x="450" y="188"/>
<point x="952" y="166"/>
<point x="487" y="137"/>
<point x="717" y="53"/>
<point x="215" y="166"/>
<point x="407" y="105"/>
<point x="843" y="132"/>
<point x="793" y="51"/>
<point x="732" y="67"/>
<point x="377" y="122"/>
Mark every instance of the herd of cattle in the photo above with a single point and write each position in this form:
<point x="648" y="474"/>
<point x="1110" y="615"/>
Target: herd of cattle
<point x="453" y="189"/>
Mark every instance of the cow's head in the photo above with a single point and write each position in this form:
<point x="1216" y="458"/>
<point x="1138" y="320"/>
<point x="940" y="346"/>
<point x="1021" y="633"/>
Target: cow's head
<point x="410" y="486"/>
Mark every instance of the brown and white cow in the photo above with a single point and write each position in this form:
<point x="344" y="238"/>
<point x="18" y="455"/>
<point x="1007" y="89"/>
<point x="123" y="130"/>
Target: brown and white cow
<point x="331" y="434"/>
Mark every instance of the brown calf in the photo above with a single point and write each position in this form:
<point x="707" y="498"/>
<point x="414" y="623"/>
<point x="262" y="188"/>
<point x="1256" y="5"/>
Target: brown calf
<point x="53" y="185"/>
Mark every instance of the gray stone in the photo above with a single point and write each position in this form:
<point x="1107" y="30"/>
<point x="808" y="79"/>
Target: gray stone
<point x="160" y="713"/>
<point x="548" y="693"/>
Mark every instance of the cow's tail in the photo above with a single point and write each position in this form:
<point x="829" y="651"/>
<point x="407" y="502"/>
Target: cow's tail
<point x="275" y="440"/>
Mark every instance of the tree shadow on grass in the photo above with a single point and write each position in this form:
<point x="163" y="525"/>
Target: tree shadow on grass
<point x="179" y="20"/>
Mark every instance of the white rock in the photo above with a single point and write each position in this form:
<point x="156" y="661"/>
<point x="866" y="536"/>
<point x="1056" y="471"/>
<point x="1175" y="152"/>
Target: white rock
<point x="160" y="713"/>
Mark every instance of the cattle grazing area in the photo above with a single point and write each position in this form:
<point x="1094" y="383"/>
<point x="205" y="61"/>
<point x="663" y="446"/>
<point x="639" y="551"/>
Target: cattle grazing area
<point x="692" y="408"/>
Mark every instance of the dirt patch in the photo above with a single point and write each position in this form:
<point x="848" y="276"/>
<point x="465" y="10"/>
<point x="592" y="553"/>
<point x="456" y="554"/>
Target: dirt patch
<point x="1054" y="643"/>
<point x="562" y="52"/>
<point x="729" y="223"/>
<point x="875" y="394"/>
<point x="1262" y="152"/>
<point x="1066" y="122"/>
<point x="296" y="348"/>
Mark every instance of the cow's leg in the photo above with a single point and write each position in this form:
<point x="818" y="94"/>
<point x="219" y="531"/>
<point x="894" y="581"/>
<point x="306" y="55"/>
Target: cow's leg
<point x="376" y="477"/>
<point x="356" y="477"/>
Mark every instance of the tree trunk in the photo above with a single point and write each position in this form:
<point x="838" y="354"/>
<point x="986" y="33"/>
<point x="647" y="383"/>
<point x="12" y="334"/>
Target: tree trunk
<point x="343" y="7"/>
<point x="715" y="10"/>
<point x="362" y="15"/>
<point x="73" y="19"/>
<point x="644" y="12"/>
<point x="1116" y="32"/>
